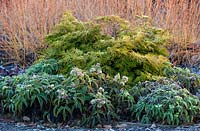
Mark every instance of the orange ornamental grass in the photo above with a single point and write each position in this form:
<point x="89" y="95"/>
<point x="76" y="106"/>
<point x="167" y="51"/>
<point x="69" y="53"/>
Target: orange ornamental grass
<point x="181" y="17"/>
<point x="26" y="22"/>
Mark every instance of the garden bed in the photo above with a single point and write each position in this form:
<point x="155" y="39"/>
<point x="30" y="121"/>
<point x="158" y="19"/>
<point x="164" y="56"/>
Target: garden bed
<point x="102" y="72"/>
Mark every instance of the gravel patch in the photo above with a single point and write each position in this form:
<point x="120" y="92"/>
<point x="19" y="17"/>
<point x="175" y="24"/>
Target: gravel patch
<point x="12" y="126"/>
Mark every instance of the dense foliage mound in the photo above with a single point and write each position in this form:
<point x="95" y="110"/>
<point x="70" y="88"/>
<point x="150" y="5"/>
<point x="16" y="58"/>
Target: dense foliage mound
<point x="91" y="97"/>
<point x="185" y="78"/>
<point x="87" y="97"/>
<point x="165" y="102"/>
<point x="137" y="52"/>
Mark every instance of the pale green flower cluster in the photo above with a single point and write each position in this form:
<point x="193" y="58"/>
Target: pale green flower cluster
<point x="99" y="100"/>
<point x="96" y="69"/>
<point x="49" y="88"/>
<point x="122" y="81"/>
<point x="62" y="94"/>
<point x="77" y="72"/>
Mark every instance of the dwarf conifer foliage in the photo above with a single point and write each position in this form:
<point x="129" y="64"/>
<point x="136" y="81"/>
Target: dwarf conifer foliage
<point x="135" y="51"/>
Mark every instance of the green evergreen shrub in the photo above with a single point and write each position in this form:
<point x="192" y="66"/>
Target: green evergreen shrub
<point x="142" y="89"/>
<point x="88" y="97"/>
<point x="25" y="94"/>
<point x="184" y="78"/>
<point x="137" y="52"/>
<point x="166" y="103"/>
<point x="91" y="97"/>
<point x="49" y="66"/>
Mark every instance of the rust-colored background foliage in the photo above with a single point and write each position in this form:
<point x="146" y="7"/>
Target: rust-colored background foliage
<point x="24" y="23"/>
